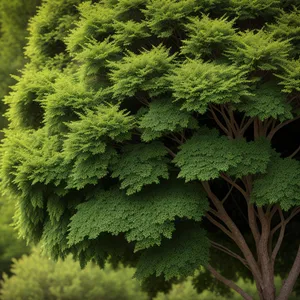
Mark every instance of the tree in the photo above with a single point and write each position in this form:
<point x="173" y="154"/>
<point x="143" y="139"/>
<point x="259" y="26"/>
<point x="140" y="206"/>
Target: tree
<point x="10" y="245"/>
<point x="162" y="134"/>
<point x="36" y="277"/>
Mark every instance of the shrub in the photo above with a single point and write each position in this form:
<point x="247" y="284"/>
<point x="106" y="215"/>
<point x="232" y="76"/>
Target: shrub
<point x="36" y="277"/>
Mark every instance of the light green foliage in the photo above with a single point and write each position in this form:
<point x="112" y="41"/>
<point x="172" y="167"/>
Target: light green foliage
<point x="10" y="245"/>
<point x="129" y="9"/>
<point x="86" y="146"/>
<point x="109" y="112"/>
<point x="291" y="78"/>
<point x="267" y="101"/>
<point x="184" y="290"/>
<point x="127" y="32"/>
<point x="146" y="217"/>
<point x="94" y="56"/>
<point x="14" y="16"/>
<point x="287" y="27"/>
<point x="67" y="98"/>
<point x="165" y="17"/>
<point x="48" y="30"/>
<point x="141" y="165"/>
<point x="206" y="35"/>
<point x="144" y="72"/>
<point x="164" y="116"/>
<point x="259" y="51"/>
<point x="207" y="154"/>
<point x="36" y="277"/>
<point x="95" y="22"/>
<point x="245" y="9"/>
<point x="197" y="83"/>
<point x="25" y="100"/>
<point x="280" y="184"/>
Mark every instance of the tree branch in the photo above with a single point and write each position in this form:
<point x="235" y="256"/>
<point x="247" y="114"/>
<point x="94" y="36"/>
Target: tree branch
<point x="295" y="152"/>
<point x="246" y="126"/>
<point x="289" y="283"/>
<point x="280" y="238"/>
<point x="228" y="194"/>
<point x="292" y="215"/>
<point x="237" y="236"/>
<point x="229" y="252"/>
<point x="228" y="282"/>
<point x="233" y="183"/>
<point x="170" y="152"/>
<point x="215" y="117"/>
<point x="279" y="126"/>
<point x="219" y="225"/>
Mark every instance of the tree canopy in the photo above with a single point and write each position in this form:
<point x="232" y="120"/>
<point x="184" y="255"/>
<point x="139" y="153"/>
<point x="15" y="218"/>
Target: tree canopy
<point x="141" y="129"/>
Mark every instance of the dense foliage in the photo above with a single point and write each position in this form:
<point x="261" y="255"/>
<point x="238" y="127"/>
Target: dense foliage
<point x="36" y="277"/>
<point x="136" y="123"/>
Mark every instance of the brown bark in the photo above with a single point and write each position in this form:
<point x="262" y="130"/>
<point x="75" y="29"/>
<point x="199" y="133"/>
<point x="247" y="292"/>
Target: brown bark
<point x="290" y="281"/>
<point x="268" y="287"/>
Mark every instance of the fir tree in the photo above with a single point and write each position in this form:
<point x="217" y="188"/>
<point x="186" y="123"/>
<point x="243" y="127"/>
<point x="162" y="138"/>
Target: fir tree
<point x="155" y="133"/>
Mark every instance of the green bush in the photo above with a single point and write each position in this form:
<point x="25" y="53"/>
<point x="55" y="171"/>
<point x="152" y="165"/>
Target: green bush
<point x="10" y="245"/>
<point x="187" y="291"/>
<point x="36" y="277"/>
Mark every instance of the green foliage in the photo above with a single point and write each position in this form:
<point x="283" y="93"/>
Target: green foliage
<point x="14" y="16"/>
<point x="287" y="27"/>
<point x="86" y="146"/>
<point x="291" y="78"/>
<point x="95" y="22"/>
<point x="207" y="154"/>
<point x="196" y="84"/>
<point x="10" y="245"/>
<point x="245" y="9"/>
<point x="180" y="291"/>
<point x="259" y="51"/>
<point x="280" y="184"/>
<point x="267" y="101"/>
<point x="143" y="72"/>
<point x="25" y="99"/>
<point x="164" y="18"/>
<point x="48" y="29"/>
<point x="179" y="257"/>
<point x="94" y="60"/>
<point x="113" y="109"/>
<point x="128" y="32"/>
<point x="141" y="165"/>
<point x="206" y="35"/>
<point x="36" y="277"/>
<point x="145" y="218"/>
<point x="186" y="290"/>
<point x="164" y="116"/>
